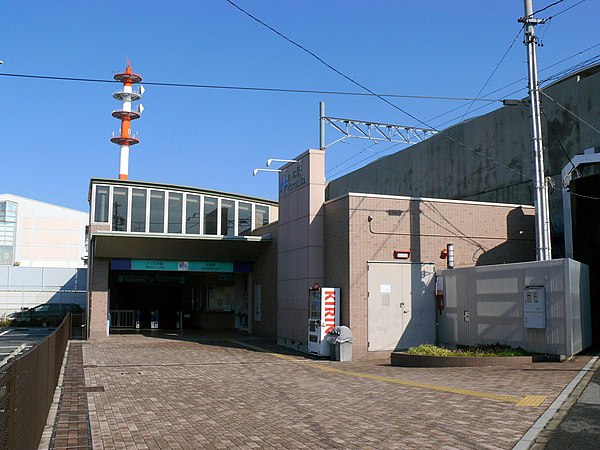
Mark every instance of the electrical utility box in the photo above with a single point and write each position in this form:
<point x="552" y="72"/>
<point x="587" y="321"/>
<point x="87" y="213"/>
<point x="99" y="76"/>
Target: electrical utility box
<point x="534" y="299"/>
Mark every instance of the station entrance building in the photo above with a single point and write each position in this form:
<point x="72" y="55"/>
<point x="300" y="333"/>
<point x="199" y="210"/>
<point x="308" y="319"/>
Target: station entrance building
<point x="172" y="257"/>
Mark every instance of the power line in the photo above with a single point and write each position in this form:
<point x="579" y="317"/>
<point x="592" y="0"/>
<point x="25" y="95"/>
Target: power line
<point x="473" y="110"/>
<point x="363" y="149"/>
<point x="589" y="197"/>
<point x="544" y="9"/>
<point x="494" y="71"/>
<point x="251" y="88"/>
<point x="362" y="160"/>
<point x="447" y="136"/>
<point x="517" y="81"/>
<point x="570" y="112"/>
<point x="554" y="76"/>
<point x="566" y="9"/>
<point x="564" y="150"/>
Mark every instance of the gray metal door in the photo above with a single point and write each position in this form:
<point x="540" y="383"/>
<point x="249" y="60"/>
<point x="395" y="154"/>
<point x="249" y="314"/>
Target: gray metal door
<point x="389" y="304"/>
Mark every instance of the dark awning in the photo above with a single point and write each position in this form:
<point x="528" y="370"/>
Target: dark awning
<point x="173" y="247"/>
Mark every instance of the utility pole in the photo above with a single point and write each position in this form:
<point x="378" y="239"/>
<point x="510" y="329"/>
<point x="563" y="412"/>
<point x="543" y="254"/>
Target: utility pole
<point x="542" y="216"/>
<point x="321" y="125"/>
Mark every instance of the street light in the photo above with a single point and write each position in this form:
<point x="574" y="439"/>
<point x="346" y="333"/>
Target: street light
<point x="269" y="161"/>
<point x="255" y="171"/>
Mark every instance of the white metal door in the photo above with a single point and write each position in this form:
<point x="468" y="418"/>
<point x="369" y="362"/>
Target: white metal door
<point x="389" y="304"/>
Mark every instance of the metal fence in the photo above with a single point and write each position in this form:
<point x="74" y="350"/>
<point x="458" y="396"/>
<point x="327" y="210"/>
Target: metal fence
<point x="27" y="386"/>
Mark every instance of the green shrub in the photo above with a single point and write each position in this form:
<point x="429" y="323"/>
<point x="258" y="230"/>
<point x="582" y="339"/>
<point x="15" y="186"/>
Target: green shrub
<point x="496" y="349"/>
<point x="5" y="321"/>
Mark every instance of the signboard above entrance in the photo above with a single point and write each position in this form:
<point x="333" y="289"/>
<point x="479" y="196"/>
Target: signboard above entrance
<point x="164" y="265"/>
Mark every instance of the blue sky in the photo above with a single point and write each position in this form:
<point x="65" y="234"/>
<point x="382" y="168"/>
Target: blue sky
<point x="55" y="134"/>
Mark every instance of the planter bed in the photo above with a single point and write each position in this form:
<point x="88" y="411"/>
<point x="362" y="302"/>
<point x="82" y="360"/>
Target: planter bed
<point x="402" y="359"/>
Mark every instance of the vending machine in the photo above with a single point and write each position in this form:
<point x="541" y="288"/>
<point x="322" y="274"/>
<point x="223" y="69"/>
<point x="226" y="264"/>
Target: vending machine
<point x="323" y="315"/>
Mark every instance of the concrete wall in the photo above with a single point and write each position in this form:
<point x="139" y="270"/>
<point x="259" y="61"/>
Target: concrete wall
<point x="482" y="233"/>
<point x="25" y="287"/>
<point x="494" y="299"/>
<point x="441" y="168"/>
<point x="300" y="245"/>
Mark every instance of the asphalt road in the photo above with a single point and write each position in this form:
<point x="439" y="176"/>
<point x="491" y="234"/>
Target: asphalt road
<point x="12" y="338"/>
<point x="580" y="429"/>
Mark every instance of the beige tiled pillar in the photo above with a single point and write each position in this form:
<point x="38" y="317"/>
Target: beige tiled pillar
<point x="300" y="247"/>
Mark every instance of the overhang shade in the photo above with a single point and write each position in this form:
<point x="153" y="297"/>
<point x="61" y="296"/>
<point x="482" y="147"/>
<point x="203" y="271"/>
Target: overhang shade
<point x="206" y="248"/>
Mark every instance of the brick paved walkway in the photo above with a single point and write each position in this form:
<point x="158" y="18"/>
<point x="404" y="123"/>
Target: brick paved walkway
<point x="72" y="426"/>
<point x="160" y="392"/>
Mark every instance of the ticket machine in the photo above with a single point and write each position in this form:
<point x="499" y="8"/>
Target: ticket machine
<point x="323" y="315"/>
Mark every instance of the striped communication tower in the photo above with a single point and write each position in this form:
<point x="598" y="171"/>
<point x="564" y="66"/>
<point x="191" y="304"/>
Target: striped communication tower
<point x="126" y="139"/>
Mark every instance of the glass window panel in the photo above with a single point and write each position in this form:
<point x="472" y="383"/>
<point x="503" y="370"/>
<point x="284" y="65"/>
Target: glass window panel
<point x="210" y="215"/>
<point x="101" y="202"/>
<point x="227" y="217"/>
<point x="119" y="219"/>
<point x="138" y="210"/>
<point x="6" y="255"/>
<point x="261" y="215"/>
<point x="157" y="212"/>
<point x="175" y="212"/>
<point x="244" y="218"/>
<point x="192" y="212"/>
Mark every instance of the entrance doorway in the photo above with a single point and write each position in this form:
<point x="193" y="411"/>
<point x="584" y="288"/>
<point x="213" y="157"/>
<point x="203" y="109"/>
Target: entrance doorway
<point x="586" y="239"/>
<point x="158" y="300"/>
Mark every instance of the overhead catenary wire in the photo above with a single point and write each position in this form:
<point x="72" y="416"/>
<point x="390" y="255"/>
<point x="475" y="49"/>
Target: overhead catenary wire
<point x="252" y="88"/>
<point x="566" y="9"/>
<point x="362" y="160"/>
<point x="545" y="8"/>
<point x="362" y="86"/>
<point x="545" y="80"/>
<point x="570" y="112"/>
<point x="554" y="76"/>
<point x="494" y="71"/>
<point x="362" y="150"/>
<point x="562" y="147"/>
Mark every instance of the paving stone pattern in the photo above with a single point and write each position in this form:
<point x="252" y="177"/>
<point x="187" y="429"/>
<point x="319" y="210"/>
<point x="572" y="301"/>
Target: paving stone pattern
<point x="164" y="393"/>
<point x="72" y="427"/>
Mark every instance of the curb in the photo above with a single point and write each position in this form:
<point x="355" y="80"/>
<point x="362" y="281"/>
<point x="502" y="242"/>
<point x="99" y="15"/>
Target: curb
<point x="50" y="421"/>
<point x="401" y="359"/>
<point x="552" y="417"/>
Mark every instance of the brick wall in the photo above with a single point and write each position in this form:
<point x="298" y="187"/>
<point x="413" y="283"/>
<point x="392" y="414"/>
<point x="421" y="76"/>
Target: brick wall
<point x="482" y="233"/>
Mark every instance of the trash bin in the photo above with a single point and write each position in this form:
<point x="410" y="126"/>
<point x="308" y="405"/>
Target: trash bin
<point x="340" y="339"/>
<point x="334" y="353"/>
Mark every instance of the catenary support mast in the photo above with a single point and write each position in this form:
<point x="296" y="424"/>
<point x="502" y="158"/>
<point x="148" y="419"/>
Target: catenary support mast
<point x="542" y="215"/>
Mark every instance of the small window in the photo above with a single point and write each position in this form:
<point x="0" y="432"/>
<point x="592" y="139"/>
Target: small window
<point x="192" y="212"/>
<point x="157" y="212"/>
<point x="261" y="215"/>
<point x="220" y="298"/>
<point x="227" y="217"/>
<point x="119" y="209"/>
<point x="101" y="204"/>
<point x="138" y="210"/>
<point x="210" y="215"/>
<point x="175" y="212"/>
<point x="244" y="218"/>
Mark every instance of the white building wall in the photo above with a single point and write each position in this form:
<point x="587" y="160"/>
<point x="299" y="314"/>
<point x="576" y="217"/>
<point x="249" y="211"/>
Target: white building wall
<point x="485" y="305"/>
<point x="25" y="287"/>
<point x="48" y="235"/>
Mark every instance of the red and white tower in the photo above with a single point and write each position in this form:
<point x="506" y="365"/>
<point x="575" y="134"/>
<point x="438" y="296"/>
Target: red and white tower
<point x="126" y="115"/>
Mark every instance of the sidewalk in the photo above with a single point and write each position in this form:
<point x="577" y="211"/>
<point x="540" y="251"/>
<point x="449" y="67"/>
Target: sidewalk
<point x="576" y="424"/>
<point x="162" y="392"/>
